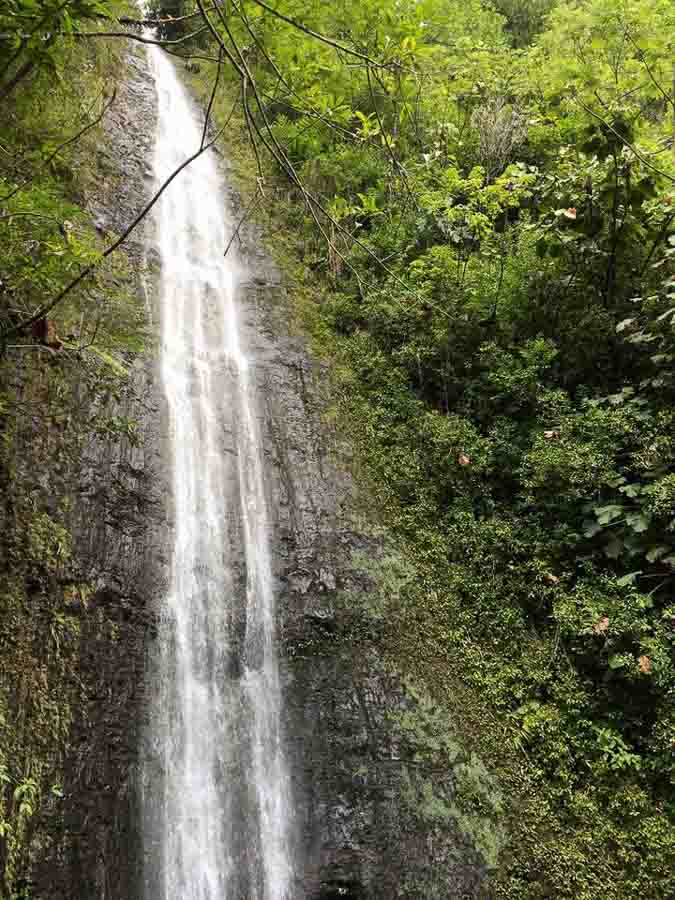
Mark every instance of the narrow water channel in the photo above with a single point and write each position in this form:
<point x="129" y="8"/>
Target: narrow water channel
<point x="218" y="811"/>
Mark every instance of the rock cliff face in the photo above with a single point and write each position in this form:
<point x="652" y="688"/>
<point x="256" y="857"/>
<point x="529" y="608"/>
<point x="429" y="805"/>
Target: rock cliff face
<point x="90" y="844"/>
<point x="376" y="792"/>
<point x="384" y="798"/>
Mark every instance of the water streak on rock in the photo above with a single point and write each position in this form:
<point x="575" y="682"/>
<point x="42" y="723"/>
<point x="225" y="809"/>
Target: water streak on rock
<point x="221" y="823"/>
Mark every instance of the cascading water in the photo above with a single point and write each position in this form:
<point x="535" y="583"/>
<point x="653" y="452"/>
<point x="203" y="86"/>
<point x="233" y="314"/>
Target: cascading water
<point x="217" y="808"/>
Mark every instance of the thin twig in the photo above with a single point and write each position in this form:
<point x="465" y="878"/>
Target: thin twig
<point x="626" y="143"/>
<point x="643" y="59"/>
<point x="63" y="146"/>
<point x="169" y="20"/>
<point x="324" y="39"/>
<point x="141" y="38"/>
<point x="287" y="165"/>
<point x="249" y="209"/>
<point x="30" y="34"/>
<point x="279" y="154"/>
<point x="29" y="215"/>
<point x="212" y="98"/>
<point x="88" y="270"/>
<point x="385" y="140"/>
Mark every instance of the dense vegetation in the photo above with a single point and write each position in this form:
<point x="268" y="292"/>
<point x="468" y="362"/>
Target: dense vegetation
<point x="482" y="197"/>
<point x="486" y="194"/>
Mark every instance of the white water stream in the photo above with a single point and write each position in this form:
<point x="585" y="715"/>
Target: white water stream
<point x="218" y="811"/>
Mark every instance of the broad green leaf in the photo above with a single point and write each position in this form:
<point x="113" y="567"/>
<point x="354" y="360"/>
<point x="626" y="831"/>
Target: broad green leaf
<point x="630" y="578"/>
<point x="614" y="547"/>
<point x="607" y="514"/>
<point x="591" y="528"/>
<point x="639" y="522"/>
<point x="655" y="553"/>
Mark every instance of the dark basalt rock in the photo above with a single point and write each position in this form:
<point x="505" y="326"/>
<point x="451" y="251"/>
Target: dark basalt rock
<point x="364" y="830"/>
<point x="90" y="846"/>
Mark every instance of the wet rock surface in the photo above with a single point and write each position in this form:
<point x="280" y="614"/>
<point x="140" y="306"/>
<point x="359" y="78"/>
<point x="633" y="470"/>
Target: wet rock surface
<point x="377" y="810"/>
<point x="119" y="523"/>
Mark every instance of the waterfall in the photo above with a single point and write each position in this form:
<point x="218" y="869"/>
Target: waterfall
<point x="216" y="789"/>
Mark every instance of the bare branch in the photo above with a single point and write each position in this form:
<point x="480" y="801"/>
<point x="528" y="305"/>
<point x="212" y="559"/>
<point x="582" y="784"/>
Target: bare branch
<point x="168" y="20"/>
<point x="29" y="215"/>
<point x="259" y="194"/>
<point x="385" y="140"/>
<point x="312" y="202"/>
<point x="306" y="112"/>
<point x="30" y="34"/>
<point x="63" y="146"/>
<point x="324" y="39"/>
<point x="626" y="143"/>
<point x="25" y="69"/>
<point x="212" y="98"/>
<point x="141" y="38"/>
<point x="248" y="118"/>
<point x="643" y="59"/>
<point x="89" y="270"/>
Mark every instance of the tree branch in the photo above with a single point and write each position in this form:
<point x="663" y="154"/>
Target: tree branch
<point x="249" y="209"/>
<point x="643" y="59"/>
<point x="643" y="159"/>
<point x="63" y="146"/>
<point x="88" y="270"/>
<point x="212" y="98"/>
<point x="168" y="20"/>
<point x="141" y="38"/>
<point x="325" y="40"/>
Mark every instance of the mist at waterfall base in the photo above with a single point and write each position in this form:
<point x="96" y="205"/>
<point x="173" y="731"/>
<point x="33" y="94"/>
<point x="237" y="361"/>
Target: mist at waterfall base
<point x="216" y="797"/>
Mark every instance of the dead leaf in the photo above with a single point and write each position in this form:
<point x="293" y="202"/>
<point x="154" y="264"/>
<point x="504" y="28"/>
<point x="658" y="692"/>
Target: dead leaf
<point x="44" y="332"/>
<point x="571" y="213"/>
<point x="645" y="664"/>
<point x="551" y="435"/>
<point x="601" y="625"/>
<point x="551" y="578"/>
<point x="464" y="460"/>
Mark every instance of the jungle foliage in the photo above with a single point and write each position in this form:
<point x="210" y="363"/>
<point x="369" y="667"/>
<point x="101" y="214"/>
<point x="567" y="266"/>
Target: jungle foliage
<point x="485" y="193"/>
<point x="482" y="198"/>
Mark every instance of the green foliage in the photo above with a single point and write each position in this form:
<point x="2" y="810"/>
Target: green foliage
<point x="474" y="803"/>
<point x="60" y="387"/>
<point x="497" y="261"/>
<point x="502" y="335"/>
<point x="524" y="18"/>
<point x="32" y="33"/>
<point x="175" y="21"/>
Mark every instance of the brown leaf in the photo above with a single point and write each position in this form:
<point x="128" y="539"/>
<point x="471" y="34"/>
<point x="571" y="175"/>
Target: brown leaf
<point x="551" y="435"/>
<point x="463" y="459"/>
<point x="551" y="578"/>
<point x="601" y="625"/>
<point x="44" y="331"/>
<point x="571" y="213"/>
<point x="645" y="664"/>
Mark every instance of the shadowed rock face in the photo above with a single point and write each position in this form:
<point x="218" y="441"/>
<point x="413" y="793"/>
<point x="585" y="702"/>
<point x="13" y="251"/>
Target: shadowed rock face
<point x="364" y="825"/>
<point x="360" y="832"/>
<point x="119" y="523"/>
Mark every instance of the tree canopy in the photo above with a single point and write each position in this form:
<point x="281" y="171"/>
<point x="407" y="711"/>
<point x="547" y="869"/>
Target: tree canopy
<point x="485" y="195"/>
